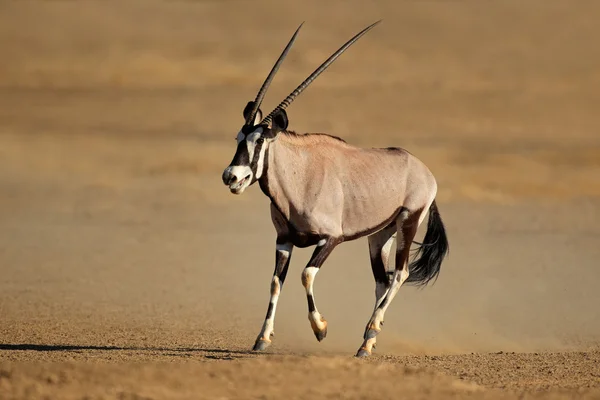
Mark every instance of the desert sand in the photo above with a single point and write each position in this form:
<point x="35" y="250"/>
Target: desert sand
<point x="128" y="270"/>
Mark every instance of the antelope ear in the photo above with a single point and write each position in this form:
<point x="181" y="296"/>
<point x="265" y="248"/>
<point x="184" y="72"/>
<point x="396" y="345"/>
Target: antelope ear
<point x="248" y="109"/>
<point x="280" y="121"/>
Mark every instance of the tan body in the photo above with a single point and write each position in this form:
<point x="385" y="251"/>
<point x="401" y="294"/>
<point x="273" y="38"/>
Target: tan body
<point x="326" y="187"/>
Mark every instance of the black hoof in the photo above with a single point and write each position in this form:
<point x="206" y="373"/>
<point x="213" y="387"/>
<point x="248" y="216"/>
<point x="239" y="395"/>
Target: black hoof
<point x="261" y="345"/>
<point x="320" y="335"/>
<point x="370" y="334"/>
<point x="362" y="353"/>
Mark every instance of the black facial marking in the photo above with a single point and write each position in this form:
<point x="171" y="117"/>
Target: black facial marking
<point x="254" y="165"/>
<point x="241" y="156"/>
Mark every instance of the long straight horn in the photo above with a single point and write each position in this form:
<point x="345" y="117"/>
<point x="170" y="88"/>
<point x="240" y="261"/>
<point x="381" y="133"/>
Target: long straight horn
<point x="288" y="100"/>
<point x="267" y="82"/>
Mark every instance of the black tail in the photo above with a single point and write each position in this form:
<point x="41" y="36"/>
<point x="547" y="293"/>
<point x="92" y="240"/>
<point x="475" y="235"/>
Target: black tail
<point x="430" y="254"/>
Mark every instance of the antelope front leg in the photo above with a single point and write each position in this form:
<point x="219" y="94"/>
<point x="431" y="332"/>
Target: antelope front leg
<point x="282" y="261"/>
<point x="317" y="322"/>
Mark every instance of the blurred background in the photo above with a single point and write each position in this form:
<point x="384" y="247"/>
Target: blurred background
<point x="118" y="118"/>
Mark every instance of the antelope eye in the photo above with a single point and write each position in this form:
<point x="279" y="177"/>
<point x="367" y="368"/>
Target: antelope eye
<point x="260" y="140"/>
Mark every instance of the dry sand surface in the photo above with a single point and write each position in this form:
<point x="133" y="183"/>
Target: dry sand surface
<point x="128" y="271"/>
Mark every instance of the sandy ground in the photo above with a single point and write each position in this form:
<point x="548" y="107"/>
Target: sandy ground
<point x="128" y="271"/>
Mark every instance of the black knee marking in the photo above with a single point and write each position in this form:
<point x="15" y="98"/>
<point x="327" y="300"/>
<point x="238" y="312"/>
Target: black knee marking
<point x="390" y="277"/>
<point x="283" y="274"/>
<point x="282" y="262"/>
<point x="311" y="303"/>
<point x="379" y="271"/>
<point x="270" y="311"/>
<point x="382" y="302"/>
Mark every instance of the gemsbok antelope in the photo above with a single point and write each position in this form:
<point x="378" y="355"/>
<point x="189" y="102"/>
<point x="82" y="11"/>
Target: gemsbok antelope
<point x="324" y="191"/>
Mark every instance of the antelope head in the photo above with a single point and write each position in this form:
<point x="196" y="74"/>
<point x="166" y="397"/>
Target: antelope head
<point x="257" y="133"/>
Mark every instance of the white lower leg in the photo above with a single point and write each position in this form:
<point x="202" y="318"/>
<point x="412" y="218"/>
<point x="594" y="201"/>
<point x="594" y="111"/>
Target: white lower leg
<point x="381" y="289"/>
<point x="397" y="281"/>
<point x="283" y="253"/>
<point x="267" y="329"/>
<point x="317" y="322"/>
<point x="374" y="325"/>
